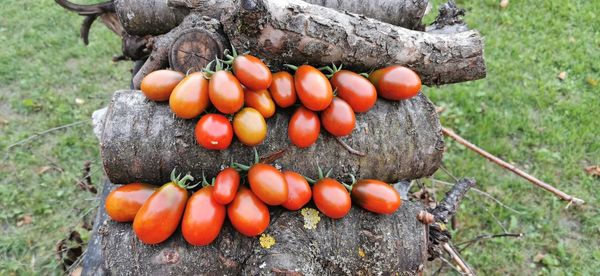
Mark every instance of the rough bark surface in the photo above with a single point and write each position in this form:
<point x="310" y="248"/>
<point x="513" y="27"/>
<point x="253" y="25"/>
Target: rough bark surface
<point x="296" y="32"/>
<point x="156" y="17"/>
<point x="143" y="141"/>
<point x="359" y="244"/>
<point x="177" y="44"/>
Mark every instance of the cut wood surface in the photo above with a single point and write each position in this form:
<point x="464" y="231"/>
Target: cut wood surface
<point x="143" y="141"/>
<point x="361" y="243"/>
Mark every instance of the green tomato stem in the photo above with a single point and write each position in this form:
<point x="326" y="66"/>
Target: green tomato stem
<point x="293" y="67"/>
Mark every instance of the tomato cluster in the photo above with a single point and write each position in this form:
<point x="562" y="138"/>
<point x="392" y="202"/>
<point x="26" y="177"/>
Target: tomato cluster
<point x="156" y="213"/>
<point x="249" y="93"/>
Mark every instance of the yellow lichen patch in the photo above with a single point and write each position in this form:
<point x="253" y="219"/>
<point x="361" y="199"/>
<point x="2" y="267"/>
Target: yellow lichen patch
<point x="311" y="218"/>
<point x="361" y="252"/>
<point x="266" y="241"/>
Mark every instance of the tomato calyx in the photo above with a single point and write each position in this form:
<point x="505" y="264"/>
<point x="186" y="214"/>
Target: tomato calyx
<point x="244" y="168"/>
<point x="219" y="66"/>
<point x="205" y="182"/>
<point x="230" y="58"/>
<point x="321" y="175"/>
<point x="331" y="69"/>
<point x="292" y="67"/>
<point x="183" y="181"/>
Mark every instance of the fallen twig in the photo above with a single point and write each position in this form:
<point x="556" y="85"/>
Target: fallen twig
<point x="458" y="259"/>
<point x="487" y="237"/>
<point x="562" y="195"/>
<point x="349" y="148"/>
<point x="36" y="135"/>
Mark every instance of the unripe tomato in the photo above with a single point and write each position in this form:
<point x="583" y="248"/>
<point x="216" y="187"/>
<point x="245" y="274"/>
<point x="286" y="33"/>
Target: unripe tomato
<point x="226" y="186"/>
<point x="268" y="184"/>
<point x="160" y="215"/>
<point x="225" y="92"/>
<point x="261" y="101"/>
<point x="124" y="202"/>
<point x="250" y="126"/>
<point x="252" y="72"/>
<point x="375" y="196"/>
<point x="299" y="192"/>
<point x="190" y="96"/>
<point x="375" y="76"/>
<point x="331" y="198"/>
<point x="248" y="214"/>
<point x="399" y="83"/>
<point x="355" y="89"/>
<point x="203" y="218"/>
<point x="304" y="127"/>
<point x="313" y="88"/>
<point x="158" y="85"/>
<point x="214" y="132"/>
<point x="282" y="89"/>
<point x="338" y="119"/>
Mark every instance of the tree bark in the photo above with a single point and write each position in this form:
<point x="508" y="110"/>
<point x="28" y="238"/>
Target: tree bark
<point x="156" y="17"/>
<point x="142" y="141"/>
<point x="359" y="244"/>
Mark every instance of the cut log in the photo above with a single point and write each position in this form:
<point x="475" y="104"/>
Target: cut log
<point x="143" y="141"/>
<point x="188" y="47"/>
<point x="359" y="244"/>
<point x="155" y="17"/>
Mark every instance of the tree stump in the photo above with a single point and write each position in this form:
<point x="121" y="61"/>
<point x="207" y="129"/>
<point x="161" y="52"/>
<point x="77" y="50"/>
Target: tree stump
<point x="359" y="244"/>
<point x="192" y="49"/>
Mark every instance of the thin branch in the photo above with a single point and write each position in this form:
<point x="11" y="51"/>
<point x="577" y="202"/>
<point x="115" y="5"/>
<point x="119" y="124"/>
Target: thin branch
<point x="36" y="135"/>
<point x="487" y="237"/>
<point x="349" y="148"/>
<point x="459" y="261"/>
<point x="562" y="195"/>
<point x="446" y="262"/>
<point x="481" y="193"/>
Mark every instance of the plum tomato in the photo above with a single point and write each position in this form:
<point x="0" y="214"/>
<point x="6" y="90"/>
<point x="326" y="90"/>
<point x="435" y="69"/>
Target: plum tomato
<point x="124" y="202"/>
<point x="331" y="198"/>
<point x="158" y="85"/>
<point x="268" y="184"/>
<point x="355" y="89"/>
<point x="338" y="119"/>
<point x="248" y="214"/>
<point x="214" y="132"/>
<point x="299" y="192"/>
<point x="203" y="218"/>
<point x="249" y="126"/>
<point x="226" y="186"/>
<point x="375" y="196"/>
<point x="282" y="89"/>
<point x="398" y="83"/>
<point x="304" y="127"/>
<point x="313" y="88"/>
<point x="252" y="72"/>
<point x="190" y="96"/>
<point x="225" y="92"/>
<point x="261" y="101"/>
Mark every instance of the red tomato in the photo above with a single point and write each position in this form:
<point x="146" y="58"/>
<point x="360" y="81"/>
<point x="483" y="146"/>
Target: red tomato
<point x="313" y="88"/>
<point x="375" y="196"/>
<point x="203" y="218"/>
<point x="261" y="101"/>
<point x="158" y="85"/>
<point x="375" y="76"/>
<point x="338" y="119"/>
<point x="225" y="92"/>
<point x="190" y="96"/>
<point x="214" y="132"/>
<point x="252" y="72"/>
<point x="248" y="214"/>
<point x="226" y="185"/>
<point x="355" y="89"/>
<point x="399" y="83"/>
<point x="331" y="198"/>
<point x="304" y="127"/>
<point x="268" y="184"/>
<point x="299" y="192"/>
<point x="250" y="126"/>
<point x="160" y="215"/>
<point x="124" y="202"/>
<point x="282" y="89"/>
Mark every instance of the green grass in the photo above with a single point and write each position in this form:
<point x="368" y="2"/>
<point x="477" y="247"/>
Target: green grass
<point x="520" y="112"/>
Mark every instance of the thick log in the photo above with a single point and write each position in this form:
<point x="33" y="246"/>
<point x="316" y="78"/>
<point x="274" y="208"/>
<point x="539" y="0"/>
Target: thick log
<point x="143" y="141"/>
<point x="155" y="17"/>
<point x="359" y="244"/>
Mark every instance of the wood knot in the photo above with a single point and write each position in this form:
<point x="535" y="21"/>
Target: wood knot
<point x="169" y="256"/>
<point x="425" y="217"/>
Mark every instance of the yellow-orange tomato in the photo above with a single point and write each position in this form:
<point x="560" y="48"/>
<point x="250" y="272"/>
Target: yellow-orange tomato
<point x="190" y="96"/>
<point x="123" y="203"/>
<point x="158" y="85"/>
<point x="261" y="101"/>
<point x="249" y="126"/>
